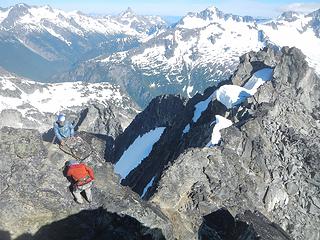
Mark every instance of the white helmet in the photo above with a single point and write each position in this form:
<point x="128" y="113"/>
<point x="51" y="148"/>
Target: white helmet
<point x="61" y="118"/>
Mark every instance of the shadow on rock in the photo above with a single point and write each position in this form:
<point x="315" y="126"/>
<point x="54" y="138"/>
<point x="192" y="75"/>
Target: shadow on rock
<point x="4" y="235"/>
<point x="97" y="224"/>
<point x="221" y="225"/>
<point x="48" y="136"/>
<point x="25" y="236"/>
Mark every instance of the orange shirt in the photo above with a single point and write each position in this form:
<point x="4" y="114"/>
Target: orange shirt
<point x="80" y="171"/>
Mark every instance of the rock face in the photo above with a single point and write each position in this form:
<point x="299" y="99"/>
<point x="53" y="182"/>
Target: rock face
<point x="161" y="112"/>
<point x="222" y="225"/>
<point x="35" y="193"/>
<point x="267" y="161"/>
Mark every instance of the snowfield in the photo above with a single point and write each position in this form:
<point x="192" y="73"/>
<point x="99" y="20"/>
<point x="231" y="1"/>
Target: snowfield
<point x="137" y="151"/>
<point x="53" y="98"/>
<point x="34" y="103"/>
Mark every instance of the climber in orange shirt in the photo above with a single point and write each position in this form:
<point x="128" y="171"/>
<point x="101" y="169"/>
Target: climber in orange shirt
<point x="82" y="178"/>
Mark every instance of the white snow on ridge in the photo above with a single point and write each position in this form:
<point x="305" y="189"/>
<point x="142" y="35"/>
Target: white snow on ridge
<point x="53" y="33"/>
<point x="220" y="123"/>
<point x="148" y="186"/>
<point x="186" y="129"/>
<point x="232" y="95"/>
<point x="137" y="151"/>
<point x="189" y="91"/>
<point x="7" y="84"/>
<point x="258" y="79"/>
<point x="200" y="107"/>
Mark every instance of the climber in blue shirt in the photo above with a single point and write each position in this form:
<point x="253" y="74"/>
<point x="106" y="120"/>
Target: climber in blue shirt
<point x="63" y="129"/>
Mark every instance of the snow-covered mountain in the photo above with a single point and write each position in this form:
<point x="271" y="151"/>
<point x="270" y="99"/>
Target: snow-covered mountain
<point x="201" y="50"/>
<point x="58" y="37"/>
<point x="296" y="30"/>
<point x="28" y="104"/>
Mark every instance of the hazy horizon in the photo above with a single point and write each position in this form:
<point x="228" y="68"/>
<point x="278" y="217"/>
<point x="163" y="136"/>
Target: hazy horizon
<point x="179" y="8"/>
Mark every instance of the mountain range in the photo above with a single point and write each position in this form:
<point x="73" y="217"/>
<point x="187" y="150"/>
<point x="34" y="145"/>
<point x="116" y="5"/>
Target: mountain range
<point x="142" y="54"/>
<point x="37" y="42"/>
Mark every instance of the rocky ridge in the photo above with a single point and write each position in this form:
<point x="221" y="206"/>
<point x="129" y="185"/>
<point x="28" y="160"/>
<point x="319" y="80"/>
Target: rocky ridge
<point x="36" y="202"/>
<point x="267" y="161"/>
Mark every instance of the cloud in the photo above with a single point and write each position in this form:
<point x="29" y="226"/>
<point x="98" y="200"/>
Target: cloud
<point x="300" y="7"/>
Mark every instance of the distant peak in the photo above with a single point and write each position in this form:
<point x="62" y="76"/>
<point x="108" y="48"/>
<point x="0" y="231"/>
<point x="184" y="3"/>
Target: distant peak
<point x="48" y="7"/>
<point x="211" y="12"/>
<point x="289" y="16"/>
<point x="314" y="14"/>
<point x="212" y="9"/>
<point x="128" y="12"/>
<point x="22" y="5"/>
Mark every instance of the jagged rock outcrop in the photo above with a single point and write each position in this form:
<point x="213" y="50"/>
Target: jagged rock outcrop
<point x="268" y="161"/>
<point x="99" y="119"/>
<point x="35" y="193"/>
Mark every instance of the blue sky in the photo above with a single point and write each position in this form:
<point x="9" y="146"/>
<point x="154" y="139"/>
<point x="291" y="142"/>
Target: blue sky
<point x="264" y="8"/>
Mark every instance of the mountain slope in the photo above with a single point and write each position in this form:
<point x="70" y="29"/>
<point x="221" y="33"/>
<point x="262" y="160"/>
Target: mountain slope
<point x="296" y="30"/>
<point x="28" y="104"/>
<point x="36" y="202"/>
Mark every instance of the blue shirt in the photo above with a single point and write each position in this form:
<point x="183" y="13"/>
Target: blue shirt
<point x="63" y="132"/>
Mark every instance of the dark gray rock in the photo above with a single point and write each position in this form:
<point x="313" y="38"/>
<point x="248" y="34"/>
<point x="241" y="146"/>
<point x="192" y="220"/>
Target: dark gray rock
<point x="252" y="62"/>
<point x="221" y="225"/>
<point x="99" y="119"/>
<point x="35" y="193"/>
<point x="161" y="112"/>
<point x="96" y="224"/>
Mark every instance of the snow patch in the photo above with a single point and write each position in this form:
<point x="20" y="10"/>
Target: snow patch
<point x="232" y="95"/>
<point x="4" y="14"/>
<point x="7" y="84"/>
<point x="148" y="186"/>
<point x="189" y="91"/>
<point x="201" y="107"/>
<point x="186" y="129"/>
<point x="137" y="151"/>
<point x="52" y="98"/>
<point x="220" y="123"/>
